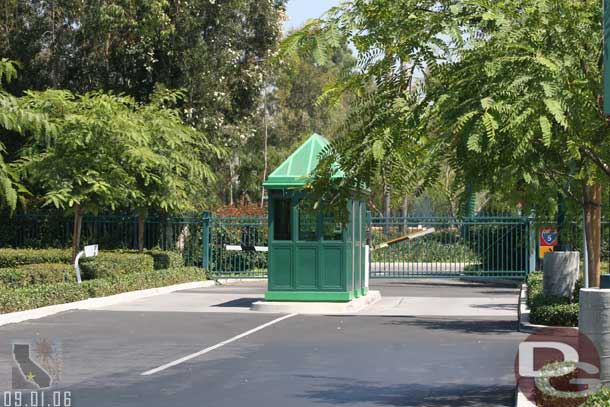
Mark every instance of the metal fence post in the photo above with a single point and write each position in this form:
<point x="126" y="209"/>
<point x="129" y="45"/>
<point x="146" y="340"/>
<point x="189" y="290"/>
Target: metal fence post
<point x="531" y="266"/>
<point x="206" y="240"/>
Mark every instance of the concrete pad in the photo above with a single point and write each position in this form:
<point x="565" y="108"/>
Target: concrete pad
<point x="191" y="302"/>
<point x="441" y="306"/>
<point x="317" y="308"/>
<point x="95" y="303"/>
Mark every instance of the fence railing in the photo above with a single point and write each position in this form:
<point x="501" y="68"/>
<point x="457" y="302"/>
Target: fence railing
<point x="227" y="246"/>
<point x="491" y="247"/>
<point x="111" y="232"/>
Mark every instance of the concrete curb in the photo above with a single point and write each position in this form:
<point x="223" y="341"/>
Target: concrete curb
<point x="223" y="281"/>
<point x="317" y="308"/>
<point x="512" y="283"/>
<point x="524" y="314"/>
<point x="93" y="303"/>
<point x="521" y="400"/>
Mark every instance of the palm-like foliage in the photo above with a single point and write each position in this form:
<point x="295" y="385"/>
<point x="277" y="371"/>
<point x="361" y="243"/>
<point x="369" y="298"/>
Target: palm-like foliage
<point x="17" y="119"/>
<point x="506" y="92"/>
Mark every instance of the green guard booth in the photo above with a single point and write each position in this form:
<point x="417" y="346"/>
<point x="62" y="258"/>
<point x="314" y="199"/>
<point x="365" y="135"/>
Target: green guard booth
<point x="311" y="256"/>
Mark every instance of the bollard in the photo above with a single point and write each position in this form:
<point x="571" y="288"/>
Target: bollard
<point x="594" y="322"/>
<point x="604" y="281"/>
<point x="561" y="271"/>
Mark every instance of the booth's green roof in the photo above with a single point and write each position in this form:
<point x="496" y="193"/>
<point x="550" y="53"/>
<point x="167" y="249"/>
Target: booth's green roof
<point x="297" y="169"/>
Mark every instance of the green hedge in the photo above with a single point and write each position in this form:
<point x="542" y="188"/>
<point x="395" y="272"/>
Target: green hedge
<point x="17" y="257"/>
<point x="12" y="300"/>
<point x="31" y="274"/>
<point x="555" y="314"/>
<point x="546" y="310"/>
<point x="600" y="399"/>
<point x="166" y="259"/>
<point x="114" y="264"/>
<point x="162" y="259"/>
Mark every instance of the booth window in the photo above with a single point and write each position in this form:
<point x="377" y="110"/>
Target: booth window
<point x="308" y="221"/>
<point x="281" y="219"/>
<point x="332" y="230"/>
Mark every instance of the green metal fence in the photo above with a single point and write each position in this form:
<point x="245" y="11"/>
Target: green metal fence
<point x="484" y="246"/>
<point x="445" y="247"/>
<point x="112" y="232"/>
<point x="237" y="247"/>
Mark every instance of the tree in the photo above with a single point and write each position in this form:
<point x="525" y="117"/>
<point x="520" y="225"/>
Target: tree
<point x="291" y="109"/>
<point x="110" y="151"/>
<point x="508" y="93"/>
<point x="172" y="177"/>
<point x="18" y="120"/>
<point x="214" y="50"/>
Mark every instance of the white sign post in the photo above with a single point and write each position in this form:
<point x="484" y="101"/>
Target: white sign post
<point x="90" y="251"/>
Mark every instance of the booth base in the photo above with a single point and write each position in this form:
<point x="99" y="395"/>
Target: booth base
<point x="321" y="307"/>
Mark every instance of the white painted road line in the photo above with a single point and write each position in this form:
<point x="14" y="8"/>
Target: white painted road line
<point x="218" y="345"/>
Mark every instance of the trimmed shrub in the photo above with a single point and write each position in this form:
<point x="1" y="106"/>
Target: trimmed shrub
<point x="10" y="258"/>
<point x="31" y="274"/>
<point x="534" y="287"/>
<point x="599" y="399"/>
<point x="553" y="311"/>
<point x="555" y="314"/>
<point x="139" y="281"/>
<point x="115" y="264"/>
<point x="166" y="259"/>
<point x="12" y="300"/>
<point x="163" y="259"/>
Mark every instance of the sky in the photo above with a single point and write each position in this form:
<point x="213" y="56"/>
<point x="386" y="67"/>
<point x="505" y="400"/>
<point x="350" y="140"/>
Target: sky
<point x="300" y="11"/>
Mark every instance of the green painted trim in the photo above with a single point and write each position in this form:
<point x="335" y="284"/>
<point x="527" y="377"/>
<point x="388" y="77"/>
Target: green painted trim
<point x="309" y="296"/>
<point x="357" y="293"/>
<point x="365" y="291"/>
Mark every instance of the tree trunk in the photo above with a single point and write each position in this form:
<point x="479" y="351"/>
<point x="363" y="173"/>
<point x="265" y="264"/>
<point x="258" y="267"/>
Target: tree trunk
<point x="593" y="197"/>
<point x="387" y="201"/>
<point x="78" y="220"/>
<point x="141" y="226"/>
<point x="266" y="145"/>
<point x="405" y="213"/>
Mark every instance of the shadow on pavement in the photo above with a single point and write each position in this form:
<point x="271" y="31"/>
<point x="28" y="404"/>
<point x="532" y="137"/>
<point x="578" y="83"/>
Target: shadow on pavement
<point x="483" y="326"/>
<point x="240" y="303"/>
<point x="346" y="391"/>
<point x="457" y="284"/>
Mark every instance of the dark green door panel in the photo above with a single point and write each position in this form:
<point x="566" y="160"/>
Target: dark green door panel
<point x="306" y="266"/>
<point x="280" y="266"/>
<point x="332" y="266"/>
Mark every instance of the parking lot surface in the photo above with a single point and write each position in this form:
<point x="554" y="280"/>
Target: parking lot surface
<point x="234" y="357"/>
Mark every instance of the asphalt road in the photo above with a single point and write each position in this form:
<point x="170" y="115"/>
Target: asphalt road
<point x="356" y="360"/>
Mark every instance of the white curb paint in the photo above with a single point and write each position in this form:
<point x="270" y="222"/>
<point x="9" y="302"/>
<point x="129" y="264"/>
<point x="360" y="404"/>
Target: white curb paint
<point x="218" y="345"/>
<point x="93" y="303"/>
<point x="317" y="308"/>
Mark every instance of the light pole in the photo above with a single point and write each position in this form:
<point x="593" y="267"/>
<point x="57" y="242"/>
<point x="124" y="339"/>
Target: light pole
<point x="89" y="251"/>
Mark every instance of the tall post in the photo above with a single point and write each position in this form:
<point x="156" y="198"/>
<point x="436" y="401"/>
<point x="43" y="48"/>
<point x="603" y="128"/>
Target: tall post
<point x="562" y="242"/>
<point x="206" y="240"/>
<point x="470" y="202"/>
<point x="533" y="238"/>
<point x="585" y="249"/>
